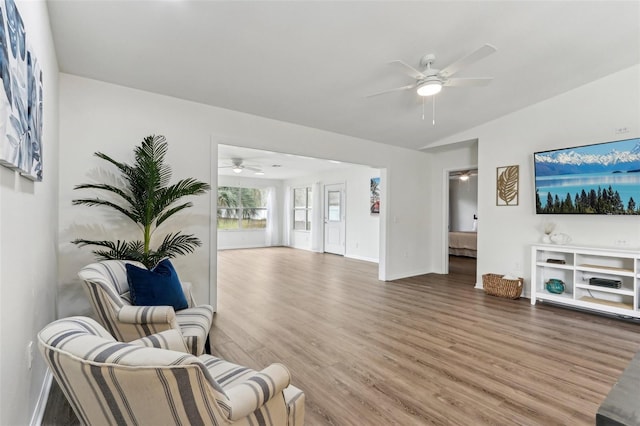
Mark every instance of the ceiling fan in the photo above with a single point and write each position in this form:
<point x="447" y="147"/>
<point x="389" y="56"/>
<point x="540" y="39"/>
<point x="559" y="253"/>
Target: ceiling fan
<point x="431" y="80"/>
<point x="237" y="165"/>
<point x="463" y="175"/>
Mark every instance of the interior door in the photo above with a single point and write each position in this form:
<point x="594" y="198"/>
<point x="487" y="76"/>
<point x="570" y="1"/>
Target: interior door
<point x="334" y="219"/>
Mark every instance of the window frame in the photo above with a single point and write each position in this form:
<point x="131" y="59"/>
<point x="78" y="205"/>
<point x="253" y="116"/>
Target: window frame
<point x="239" y="208"/>
<point x="307" y="208"/>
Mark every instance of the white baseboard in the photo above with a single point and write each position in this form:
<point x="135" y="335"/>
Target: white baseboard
<point x="366" y="259"/>
<point x="247" y="246"/>
<point x="415" y="273"/>
<point x="41" y="404"/>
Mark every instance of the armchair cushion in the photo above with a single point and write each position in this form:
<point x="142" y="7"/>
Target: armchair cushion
<point x="157" y="287"/>
<point x="147" y="315"/>
<point x="169" y="339"/>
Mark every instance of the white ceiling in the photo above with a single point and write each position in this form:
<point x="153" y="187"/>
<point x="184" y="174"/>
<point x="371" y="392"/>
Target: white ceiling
<point x="275" y="165"/>
<point x="313" y="63"/>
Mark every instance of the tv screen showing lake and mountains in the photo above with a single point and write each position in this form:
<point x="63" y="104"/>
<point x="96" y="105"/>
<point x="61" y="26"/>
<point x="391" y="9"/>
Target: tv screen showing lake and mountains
<point x="592" y="179"/>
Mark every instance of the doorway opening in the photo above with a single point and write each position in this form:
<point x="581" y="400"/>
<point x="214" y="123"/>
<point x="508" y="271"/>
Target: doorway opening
<point x="462" y="229"/>
<point x="305" y="206"/>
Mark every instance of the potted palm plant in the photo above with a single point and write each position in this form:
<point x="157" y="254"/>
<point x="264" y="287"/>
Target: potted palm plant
<point x="147" y="199"/>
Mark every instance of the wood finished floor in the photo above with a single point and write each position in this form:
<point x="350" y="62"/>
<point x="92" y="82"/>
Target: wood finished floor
<point x="418" y="351"/>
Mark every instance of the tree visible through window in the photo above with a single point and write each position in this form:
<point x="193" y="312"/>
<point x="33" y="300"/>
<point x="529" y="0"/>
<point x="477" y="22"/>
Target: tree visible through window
<point x="302" y="209"/>
<point x="241" y="208"/>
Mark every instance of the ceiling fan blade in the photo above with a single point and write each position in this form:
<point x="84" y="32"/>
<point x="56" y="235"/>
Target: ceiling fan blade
<point x="397" y="89"/>
<point x="407" y="69"/>
<point x="468" y="82"/>
<point x="481" y="53"/>
<point x="253" y="169"/>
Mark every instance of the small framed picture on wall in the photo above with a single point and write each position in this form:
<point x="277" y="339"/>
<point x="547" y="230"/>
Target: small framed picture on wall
<point x="374" y="206"/>
<point x="507" y="183"/>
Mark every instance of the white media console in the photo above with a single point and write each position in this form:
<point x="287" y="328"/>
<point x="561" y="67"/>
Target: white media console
<point x="576" y="266"/>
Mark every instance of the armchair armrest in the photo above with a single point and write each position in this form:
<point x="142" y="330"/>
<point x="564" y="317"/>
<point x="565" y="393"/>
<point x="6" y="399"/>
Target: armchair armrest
<point x="253" y="393"/>
<point x="147" y="315"/>
<point x="168" y="339"/>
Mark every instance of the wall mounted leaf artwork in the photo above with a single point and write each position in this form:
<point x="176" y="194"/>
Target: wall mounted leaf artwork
<point x="508" y="178"/>
<point x="20" y="97"/>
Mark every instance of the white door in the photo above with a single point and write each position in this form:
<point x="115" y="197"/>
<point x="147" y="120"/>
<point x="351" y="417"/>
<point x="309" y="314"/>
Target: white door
<point x="334" y="219"/>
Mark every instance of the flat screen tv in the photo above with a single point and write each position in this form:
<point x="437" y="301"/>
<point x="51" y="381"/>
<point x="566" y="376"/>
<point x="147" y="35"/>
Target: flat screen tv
<point x="603" y="178"/>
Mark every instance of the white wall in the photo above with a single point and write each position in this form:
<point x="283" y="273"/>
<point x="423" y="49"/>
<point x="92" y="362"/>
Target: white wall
<point x="97" y="116"/>
<point x="463" y="203"/>
<point x="254" y="237"/>
<point x="362" y="233"/>
<point x="588" y="114"/>
<point x="363" y="227"/>
<point x="28" y="243"/>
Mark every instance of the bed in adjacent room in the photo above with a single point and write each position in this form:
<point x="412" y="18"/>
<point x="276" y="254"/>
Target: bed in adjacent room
<point x="463" y="243"/>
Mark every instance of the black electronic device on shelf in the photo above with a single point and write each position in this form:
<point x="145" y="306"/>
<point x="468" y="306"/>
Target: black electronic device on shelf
<point x="603" y="282"/>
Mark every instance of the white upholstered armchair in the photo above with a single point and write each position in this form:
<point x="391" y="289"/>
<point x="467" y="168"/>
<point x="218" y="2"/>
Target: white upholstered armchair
<point x="107" y="287"/>
<point x="153" y="381"/>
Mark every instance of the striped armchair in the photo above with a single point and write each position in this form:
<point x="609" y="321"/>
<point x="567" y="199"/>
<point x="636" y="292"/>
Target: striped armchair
<point x="107" y="287"/>
<point x="153" y="381"/>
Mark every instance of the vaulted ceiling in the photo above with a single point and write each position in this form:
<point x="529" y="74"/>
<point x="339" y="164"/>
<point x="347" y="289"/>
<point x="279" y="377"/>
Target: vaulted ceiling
<point x="314" y="63"/>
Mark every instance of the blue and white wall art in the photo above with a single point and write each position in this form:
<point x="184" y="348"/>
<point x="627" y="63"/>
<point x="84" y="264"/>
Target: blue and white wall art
<point x="20" y="97"/>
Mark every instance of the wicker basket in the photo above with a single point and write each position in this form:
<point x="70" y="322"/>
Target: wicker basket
<point x="496" y="285"/>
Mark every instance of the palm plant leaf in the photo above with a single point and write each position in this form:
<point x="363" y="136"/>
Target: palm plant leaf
<point x="168" y="195"/>
<point x="114" y="250"/>
<point x="100" y="202"/>
<point x="106" y="187"/>
<point x="167" y="214"/>
<point x="150" y="161"/>
<point x="178" y="244"/>
<point x="123" y="167"/>
<point x="184" y="187"/>
<point x="150" y="156"/>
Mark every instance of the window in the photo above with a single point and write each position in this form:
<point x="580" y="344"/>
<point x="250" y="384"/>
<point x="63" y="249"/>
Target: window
<point x="302" y="209"/>
<point x="241" y="208"/>
<point x="334" y="206"/>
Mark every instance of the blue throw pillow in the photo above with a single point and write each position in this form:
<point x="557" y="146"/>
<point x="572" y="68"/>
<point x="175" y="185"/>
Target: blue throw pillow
<point x="157" y="287"/>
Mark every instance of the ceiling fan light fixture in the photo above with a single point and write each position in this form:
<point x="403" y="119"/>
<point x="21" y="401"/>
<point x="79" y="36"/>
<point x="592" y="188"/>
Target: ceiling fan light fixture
<point x="237" y="169"/>
<point x="464" y="177"/>
<point x="429" y="88"/>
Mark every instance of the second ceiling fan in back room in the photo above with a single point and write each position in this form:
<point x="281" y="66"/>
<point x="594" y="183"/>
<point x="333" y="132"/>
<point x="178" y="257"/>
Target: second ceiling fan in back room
<point x="237" y="165"/>
<point x="430" y="81"/>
